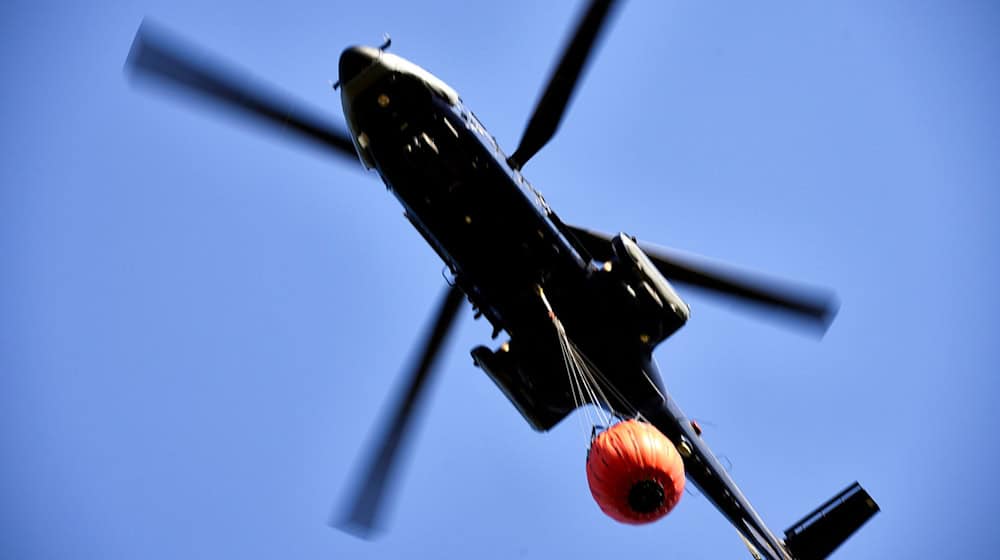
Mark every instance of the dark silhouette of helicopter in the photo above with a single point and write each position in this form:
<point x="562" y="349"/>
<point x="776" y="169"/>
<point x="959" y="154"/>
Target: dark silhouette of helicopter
<point x="520" y="265"/>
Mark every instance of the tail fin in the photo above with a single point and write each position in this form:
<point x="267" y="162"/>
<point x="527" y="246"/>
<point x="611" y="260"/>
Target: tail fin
<point x="818" y="534"/>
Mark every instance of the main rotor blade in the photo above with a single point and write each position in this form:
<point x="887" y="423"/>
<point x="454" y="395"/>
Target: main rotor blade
<point x="155" y="55"/>
<point x="362" y="515"/>
<point x="815" y="307"/>
<point x="550" y="109"/>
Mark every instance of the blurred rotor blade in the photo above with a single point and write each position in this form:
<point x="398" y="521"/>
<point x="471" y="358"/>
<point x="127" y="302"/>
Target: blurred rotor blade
<point x="813" y="306"/>
<point x="362" y="515"/>
<point x="550" y="109"/>
<point x="157" y="56"/>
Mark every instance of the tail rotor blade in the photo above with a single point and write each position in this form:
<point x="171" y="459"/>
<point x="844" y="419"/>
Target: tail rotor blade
<point x="551" y="107"/>
<point x="362" y="515"/>
<point x="154" y="55"/>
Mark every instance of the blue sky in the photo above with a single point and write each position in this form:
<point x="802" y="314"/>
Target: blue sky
<point x="199" y="323"/>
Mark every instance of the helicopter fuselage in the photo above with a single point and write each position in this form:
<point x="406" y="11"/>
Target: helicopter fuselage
<point x="503" y="244"/>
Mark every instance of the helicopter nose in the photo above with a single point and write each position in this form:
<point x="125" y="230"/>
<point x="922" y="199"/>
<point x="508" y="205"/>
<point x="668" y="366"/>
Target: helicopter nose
<point x="354" y="61"/>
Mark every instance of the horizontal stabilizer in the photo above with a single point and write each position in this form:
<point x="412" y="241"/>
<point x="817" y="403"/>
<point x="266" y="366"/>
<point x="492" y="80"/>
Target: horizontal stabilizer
<point x="826" y="528"/>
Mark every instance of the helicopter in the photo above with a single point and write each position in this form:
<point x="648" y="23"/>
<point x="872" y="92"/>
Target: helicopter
<point x="519" y="265"/>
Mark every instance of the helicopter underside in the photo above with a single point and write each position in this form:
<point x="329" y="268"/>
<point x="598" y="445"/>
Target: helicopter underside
<point x="555" y="289"/>
<point x="494" y="233"/>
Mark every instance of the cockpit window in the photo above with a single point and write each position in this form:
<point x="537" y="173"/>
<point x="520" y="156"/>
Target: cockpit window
<point x="435" y="84"/>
